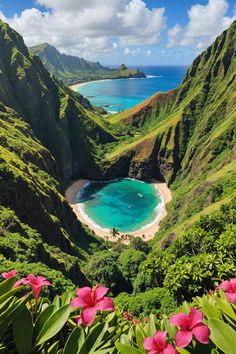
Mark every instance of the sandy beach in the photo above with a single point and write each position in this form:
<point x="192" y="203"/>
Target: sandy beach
<point x="145" y="233"/>
<point x="76" y="86"/>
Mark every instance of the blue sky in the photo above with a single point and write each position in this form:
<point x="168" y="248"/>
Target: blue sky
<point x="164" y="32"/>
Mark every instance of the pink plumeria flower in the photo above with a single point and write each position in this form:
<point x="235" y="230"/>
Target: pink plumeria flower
<point x="10" y="274"/>
<point x="190" y="326"/>
<point x="158" y="344"/>
<point x="91" y="300"/>
<point x="229" y="287"/>
<point x="35" y="282"/>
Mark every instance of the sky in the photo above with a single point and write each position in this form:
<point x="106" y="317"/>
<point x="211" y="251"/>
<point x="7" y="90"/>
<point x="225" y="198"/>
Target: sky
<point x="134" y="32"/>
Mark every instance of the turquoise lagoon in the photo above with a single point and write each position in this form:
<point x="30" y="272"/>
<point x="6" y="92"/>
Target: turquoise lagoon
<point x="125" y="204"/>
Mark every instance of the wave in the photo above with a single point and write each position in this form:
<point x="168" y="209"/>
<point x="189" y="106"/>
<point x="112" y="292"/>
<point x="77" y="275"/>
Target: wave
<point x="90" y="221"/>
<point x="153" y="76"/>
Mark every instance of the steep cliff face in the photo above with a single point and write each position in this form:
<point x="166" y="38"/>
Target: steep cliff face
<point x="64" y="122"/>
<point x="187" y="136"/>
<point x="48" y="135"/>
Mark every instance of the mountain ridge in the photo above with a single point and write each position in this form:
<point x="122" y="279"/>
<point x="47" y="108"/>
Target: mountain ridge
<point x="72" y="69"/>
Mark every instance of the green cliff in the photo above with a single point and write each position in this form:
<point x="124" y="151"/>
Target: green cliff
<point x="72" y="69"/>
<point x="47" y="136"/>
<point x="187" y="136"/>
<point x="50" y="135"/>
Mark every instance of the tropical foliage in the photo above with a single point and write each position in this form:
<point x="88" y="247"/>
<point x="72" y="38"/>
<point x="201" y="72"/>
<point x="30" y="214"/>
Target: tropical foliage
<point x="78" y="325"/>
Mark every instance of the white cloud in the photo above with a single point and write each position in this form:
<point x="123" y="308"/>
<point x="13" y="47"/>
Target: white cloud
<point x="91" y="26"/>
<point x="148" y="53"/>
<point x="174" y="34"/>
<point x="206" y="22"/>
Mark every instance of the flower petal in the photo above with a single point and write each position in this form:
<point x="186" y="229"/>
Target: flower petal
<point x="36" y="290"/>
<point x="225" y="285"/>
<point x="233" y="284"/>
<point x="100" y="292"/>
<point x="170" y="349"/>
<point x="195" y="317"/>
<point x="84" y="293"/>
<point x="160" y="339"/>
<point x="105" y="304"/>
<point x="88" y="316"/>
<point x="183" y="338"/>
<point x="231" y="297"/>
<point x="78" y="302"/>
<point x="201" y="333"/>
<point x="180" y="320"/>
<point x="10" y="274"/>
<point x="20" y="282"/>
<point x="149" y="343"/>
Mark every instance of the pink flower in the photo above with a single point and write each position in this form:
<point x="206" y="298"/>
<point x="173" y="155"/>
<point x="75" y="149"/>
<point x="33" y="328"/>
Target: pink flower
<point x="91" y="300"/>
<point x="128" y="316"/>
<point x="229" y="287"/>
<point x="135" y="321"/>
<point x="10" y="274"/>
<point x="158" y="344"/>
<point x="35" y="282"/>
<point x="190" y="326"/>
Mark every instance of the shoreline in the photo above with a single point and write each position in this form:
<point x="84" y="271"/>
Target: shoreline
<point x="146" y="232"/>
<point x="75" y="87"/>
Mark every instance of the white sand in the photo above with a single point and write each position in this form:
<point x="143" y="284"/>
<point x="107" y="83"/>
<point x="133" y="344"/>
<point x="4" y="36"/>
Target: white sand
<point x="146" y="233"/>
<point x="76" y="86"/>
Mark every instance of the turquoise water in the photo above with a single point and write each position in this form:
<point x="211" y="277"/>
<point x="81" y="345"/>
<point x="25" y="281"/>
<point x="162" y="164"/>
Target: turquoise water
<point x="128" y="205"/>
<point x="118" y="95"/>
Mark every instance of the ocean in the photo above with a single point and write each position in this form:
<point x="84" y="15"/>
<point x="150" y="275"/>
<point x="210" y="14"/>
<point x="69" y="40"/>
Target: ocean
<point x="122" y="94"/>
<point x="125" y="204"/>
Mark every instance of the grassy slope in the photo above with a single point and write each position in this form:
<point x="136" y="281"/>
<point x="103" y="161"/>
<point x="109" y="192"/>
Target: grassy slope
<point x="48" y="135"/>
<point x="191" y="134"/>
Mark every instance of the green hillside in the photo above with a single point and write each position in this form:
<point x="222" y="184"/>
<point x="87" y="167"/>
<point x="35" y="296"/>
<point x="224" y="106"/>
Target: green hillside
<point x="187" y="137"/>
<point x="72" y="69"/>
<point x="47" y="135"/>
<point x="50" y="136"/>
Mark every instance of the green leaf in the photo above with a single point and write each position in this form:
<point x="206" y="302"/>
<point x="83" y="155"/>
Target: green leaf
<point x="6" y="285"/>
<point x="140" y="338"/>
<point x="151" y="326"/>
<point x="125" y="349"/>
<point x="209" y="308"/>
<point x="75" y="341"/>
<point x="54" y="324"/>
<point x="223" y="336"/>
<point x="94" y="339"/>
<point x="53" y="349"/>
<point x="23" y="331"/>
<point x="43" y="317"/>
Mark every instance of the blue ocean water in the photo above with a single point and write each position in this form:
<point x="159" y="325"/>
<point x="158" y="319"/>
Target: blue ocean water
<point x="125" y="204"/>
<point x="121" y="94"/>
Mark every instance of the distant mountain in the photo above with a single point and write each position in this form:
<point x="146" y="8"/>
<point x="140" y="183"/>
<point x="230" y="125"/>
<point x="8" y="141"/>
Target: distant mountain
<point x="72" y="69"/>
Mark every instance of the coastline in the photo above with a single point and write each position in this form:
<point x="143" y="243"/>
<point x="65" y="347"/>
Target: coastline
<point x="146" y="233"/>
<point x="76" y="86"/>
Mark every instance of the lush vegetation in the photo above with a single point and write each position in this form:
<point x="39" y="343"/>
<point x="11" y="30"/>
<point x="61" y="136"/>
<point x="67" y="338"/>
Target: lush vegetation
<point x="79" y="325"/>
<point x="159" y="279"/>
<point x="72" y="69"/>
<point x="50" y="135"/>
